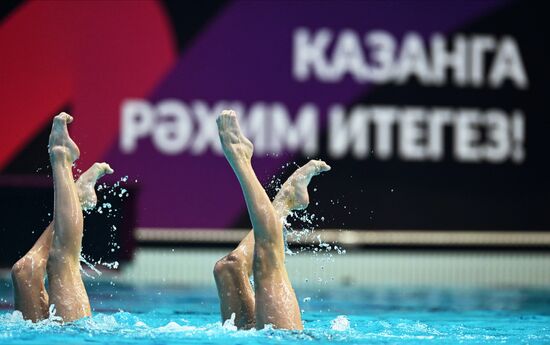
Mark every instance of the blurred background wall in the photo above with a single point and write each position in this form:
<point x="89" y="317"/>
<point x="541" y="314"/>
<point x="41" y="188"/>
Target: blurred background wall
<point x="432" y="114"/>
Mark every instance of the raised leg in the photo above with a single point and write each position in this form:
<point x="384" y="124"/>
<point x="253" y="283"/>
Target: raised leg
<point x="232" y="272"/>
<point x="275" y="299"/>
<point x="28" y="274"/>
<point x="66" y="288"/>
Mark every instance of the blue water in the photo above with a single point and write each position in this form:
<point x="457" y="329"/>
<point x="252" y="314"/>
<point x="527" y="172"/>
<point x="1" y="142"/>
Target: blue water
<point x="161" y="315"/>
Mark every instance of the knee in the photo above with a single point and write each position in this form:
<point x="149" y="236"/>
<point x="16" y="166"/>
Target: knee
<point x="28" y="268"/>
<point x="230" y="264"/>
<point x="22" y="269"/>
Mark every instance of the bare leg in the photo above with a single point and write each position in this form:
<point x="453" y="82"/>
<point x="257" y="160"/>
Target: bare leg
<point x="275" y="299"/>
<point x="233" y="271"/>
<point x="28" y="274"/>
<point x="232" y="274"/>
<point x="31" y="297"/>
<point x="67" y="290"/>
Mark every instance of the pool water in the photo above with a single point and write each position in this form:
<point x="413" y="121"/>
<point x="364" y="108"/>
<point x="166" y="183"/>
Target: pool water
<point x="166" y="315"/>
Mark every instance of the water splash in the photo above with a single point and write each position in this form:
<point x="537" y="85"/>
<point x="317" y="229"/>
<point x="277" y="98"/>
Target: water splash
<point x="229" y="324"/>
<point x="154" y="327"/>
<point x="301" y="229"/>
<point x="90" y="266"/>
<point x="341" y="323"/>
<point x="52" y="317"/>
<point x="117" y="191"/>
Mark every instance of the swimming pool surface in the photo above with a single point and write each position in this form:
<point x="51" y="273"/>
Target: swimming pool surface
<point x="161" y="315"/>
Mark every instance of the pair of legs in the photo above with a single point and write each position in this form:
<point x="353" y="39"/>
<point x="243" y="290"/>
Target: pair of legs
<point x="261" y="252"/>
<point x="57" y="250"/>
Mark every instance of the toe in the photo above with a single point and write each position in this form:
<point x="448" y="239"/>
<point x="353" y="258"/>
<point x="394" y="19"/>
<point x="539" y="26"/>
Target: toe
<point x="324" y="167"/>
<point x="104" y="169"/>
<point x="232" y="120"/>
<point x="63" y="116"/>
<point x="229" y="117"/>
<point x="222" y="120"/>
<point x="108" y="169"/>
<point x="320" y="166"/>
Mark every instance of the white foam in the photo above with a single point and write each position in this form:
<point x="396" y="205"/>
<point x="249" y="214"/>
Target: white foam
<point x="341" y="323"/>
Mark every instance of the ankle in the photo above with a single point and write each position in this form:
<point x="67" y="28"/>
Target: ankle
<point x="59" y="154"/>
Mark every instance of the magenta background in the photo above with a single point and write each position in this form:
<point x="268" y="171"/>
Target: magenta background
<point x="245" y="54"/>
